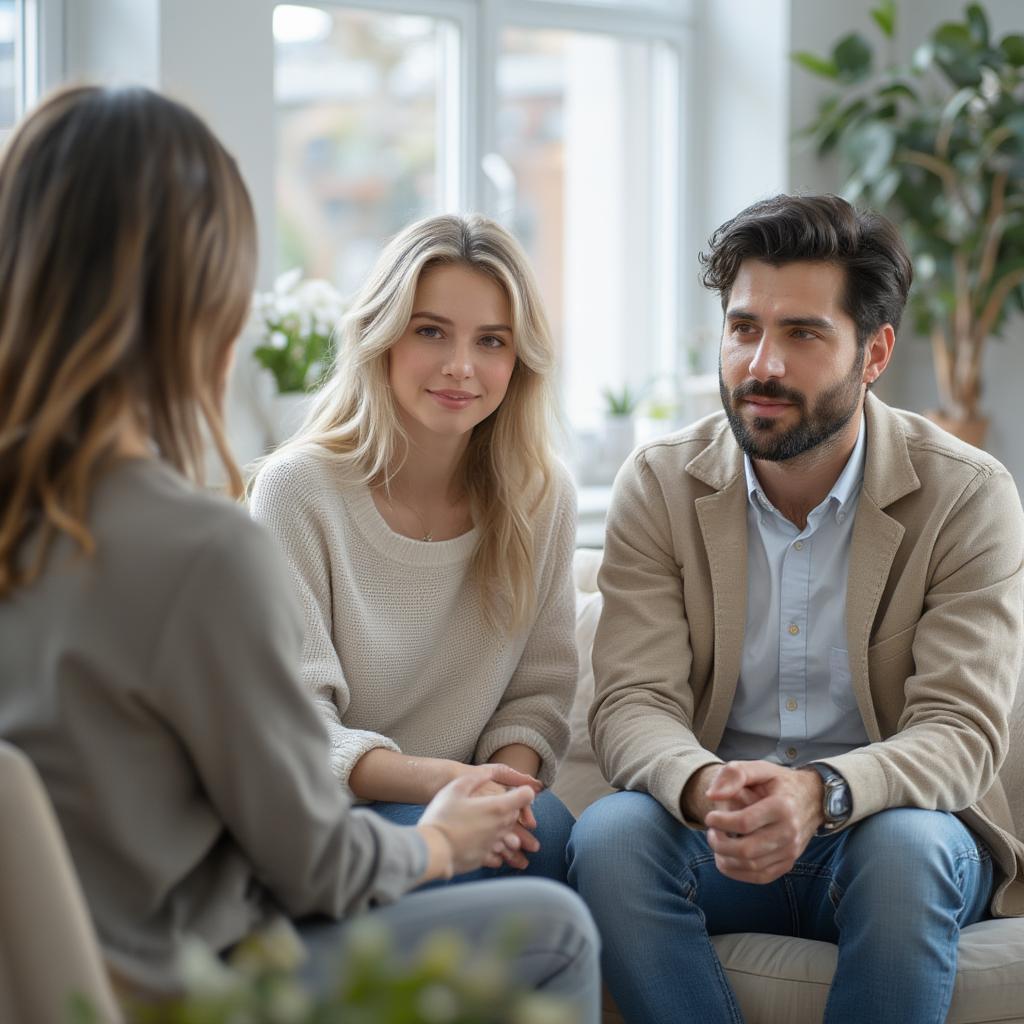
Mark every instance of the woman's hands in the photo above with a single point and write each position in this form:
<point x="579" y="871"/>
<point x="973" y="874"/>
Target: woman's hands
<point x="497" y="779"/>
<point x="468" y="825"/>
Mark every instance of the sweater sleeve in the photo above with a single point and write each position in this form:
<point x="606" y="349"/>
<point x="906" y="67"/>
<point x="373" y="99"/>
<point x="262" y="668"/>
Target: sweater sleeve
<point x="534" y="709"/>
<point x="284" y="502"/>
<point x="224" y="679"/>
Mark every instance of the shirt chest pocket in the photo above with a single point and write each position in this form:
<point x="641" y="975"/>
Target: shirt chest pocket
<point x="840" y="682"/>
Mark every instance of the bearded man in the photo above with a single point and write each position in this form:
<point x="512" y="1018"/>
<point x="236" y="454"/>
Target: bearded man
<point x="808" y="652"/>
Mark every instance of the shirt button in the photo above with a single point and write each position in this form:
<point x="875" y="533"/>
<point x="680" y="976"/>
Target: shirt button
<point x="791" y="753"/>
<point x="793" y="629"/>
<point x="791" y="705"/>
<point x="840" y="516"/>
<point x="799" y="545"/>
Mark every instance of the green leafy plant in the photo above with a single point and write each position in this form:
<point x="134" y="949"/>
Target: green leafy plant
<point x="622" y="401"/>
<point x="443" y="982"/>
<point x="297" y="319"/>
<point x="939" y="145"/>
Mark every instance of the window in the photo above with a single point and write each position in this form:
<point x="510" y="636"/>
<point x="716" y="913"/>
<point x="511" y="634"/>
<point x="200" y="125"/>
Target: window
<point x="561" y="120"/>
<point x="31" y="55"/>
<point x="361" y="134"/>
<point x="9" y="60"/>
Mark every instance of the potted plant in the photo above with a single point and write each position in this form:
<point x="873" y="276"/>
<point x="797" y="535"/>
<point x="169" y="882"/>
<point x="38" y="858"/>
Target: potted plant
<point x="939" y="145"/>
<point x="296" y="321"/>
<point x="620" y="406"/>
<point x="444" y="982"/>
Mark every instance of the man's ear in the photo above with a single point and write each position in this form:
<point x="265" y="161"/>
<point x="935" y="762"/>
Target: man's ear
<point x="878" y="352"/>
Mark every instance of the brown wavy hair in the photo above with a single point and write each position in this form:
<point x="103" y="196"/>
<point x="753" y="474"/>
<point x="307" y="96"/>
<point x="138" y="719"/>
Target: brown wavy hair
<point x="127" y="259"/>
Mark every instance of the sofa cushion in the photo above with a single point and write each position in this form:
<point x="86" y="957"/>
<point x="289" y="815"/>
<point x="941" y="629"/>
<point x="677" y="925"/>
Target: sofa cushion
<point x="779" y="980"/>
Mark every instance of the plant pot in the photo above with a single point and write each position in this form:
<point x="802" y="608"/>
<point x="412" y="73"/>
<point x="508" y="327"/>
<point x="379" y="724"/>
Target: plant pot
<point x="972" y="430"/>
<point x="619" y="440"/>
<point x="287" y="413"/>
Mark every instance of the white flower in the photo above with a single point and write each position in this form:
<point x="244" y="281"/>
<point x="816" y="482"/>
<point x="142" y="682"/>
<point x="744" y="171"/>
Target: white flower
<point x="278" y="339"/>
<point x="204" y="973"/>
<point x="287" y="281"/>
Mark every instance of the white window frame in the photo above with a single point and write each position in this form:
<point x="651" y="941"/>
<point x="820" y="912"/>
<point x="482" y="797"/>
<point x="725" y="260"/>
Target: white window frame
<point x="38" y="53"/>
<point x="469" y="116"/>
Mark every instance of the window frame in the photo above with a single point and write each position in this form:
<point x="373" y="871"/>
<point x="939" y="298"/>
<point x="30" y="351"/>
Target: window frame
<point x="38" y="53"/>
<point x="470" y="131"/>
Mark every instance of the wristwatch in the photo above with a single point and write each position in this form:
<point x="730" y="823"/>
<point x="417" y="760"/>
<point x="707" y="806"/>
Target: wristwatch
<point x="837" y="804"/>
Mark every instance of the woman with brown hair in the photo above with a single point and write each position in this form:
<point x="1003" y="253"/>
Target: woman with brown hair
<point x="150" y="641"/>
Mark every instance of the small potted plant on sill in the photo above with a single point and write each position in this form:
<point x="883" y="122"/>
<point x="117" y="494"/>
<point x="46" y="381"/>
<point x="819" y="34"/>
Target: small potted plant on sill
<point x="620" y="406"/>
<point x="296" y="321"/>
<point x="939" y="146"/>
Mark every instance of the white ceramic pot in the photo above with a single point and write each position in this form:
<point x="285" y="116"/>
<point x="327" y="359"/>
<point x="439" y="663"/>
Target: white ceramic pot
<point x="287" y="413"/>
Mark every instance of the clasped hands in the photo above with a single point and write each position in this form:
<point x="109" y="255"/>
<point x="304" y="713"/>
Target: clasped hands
<point x="495" y="780"/>
<point x="759" y="816"/>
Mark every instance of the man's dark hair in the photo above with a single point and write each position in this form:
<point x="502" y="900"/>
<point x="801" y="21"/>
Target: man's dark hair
<point x="822" y="229"/>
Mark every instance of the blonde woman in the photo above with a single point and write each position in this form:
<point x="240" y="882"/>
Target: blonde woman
<point x="150" y="641"/>
<point x="430" y="532"/>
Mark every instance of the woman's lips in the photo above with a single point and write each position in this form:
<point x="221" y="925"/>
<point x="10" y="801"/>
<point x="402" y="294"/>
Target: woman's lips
<point x="452" y="399"/>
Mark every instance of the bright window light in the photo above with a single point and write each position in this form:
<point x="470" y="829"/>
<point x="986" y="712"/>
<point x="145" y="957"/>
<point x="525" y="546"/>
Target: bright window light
<point x="296" y="24"/>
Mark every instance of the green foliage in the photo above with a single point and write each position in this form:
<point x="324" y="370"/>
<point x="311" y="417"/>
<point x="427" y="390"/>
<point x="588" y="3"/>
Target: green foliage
<point x="298" y="319"/>
<point x="298" y="365"/>
<point x="444" y="982"/>
<point x="939" y="145"/>
<point x="622" y="401"/>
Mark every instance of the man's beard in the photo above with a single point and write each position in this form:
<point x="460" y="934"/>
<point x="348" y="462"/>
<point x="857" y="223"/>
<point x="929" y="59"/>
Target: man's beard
<point x="765" y="439"/>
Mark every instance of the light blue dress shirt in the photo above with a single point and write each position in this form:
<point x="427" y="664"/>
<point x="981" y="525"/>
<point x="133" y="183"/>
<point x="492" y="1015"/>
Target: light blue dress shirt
<point x="794" y="700"/>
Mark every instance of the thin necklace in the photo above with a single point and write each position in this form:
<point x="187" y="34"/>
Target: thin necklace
<point x="428" y="535"/>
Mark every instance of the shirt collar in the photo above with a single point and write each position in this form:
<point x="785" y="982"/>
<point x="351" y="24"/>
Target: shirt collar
<point x="844" y="490"/>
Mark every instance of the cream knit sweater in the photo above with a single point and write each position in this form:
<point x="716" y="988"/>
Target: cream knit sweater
<point x="397" y="652"/>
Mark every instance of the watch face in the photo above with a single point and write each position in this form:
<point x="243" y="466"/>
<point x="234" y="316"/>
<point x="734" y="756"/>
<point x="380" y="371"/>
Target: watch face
<point x="837" y="804"/>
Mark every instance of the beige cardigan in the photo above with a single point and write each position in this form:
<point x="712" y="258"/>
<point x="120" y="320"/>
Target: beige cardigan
<point x="934" y="615"/>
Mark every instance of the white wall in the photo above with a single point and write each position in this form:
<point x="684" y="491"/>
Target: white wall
<point x="739" y="105"/>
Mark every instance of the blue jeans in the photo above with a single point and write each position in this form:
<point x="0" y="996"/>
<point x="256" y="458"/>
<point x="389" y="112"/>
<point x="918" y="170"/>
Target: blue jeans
<point x="558" y="955"/>
<point x="554" y="825"/>
<point x="892" y="891"/>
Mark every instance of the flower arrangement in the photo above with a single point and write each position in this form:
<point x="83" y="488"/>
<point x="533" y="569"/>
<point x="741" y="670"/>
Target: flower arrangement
<point x="297" y="319"/>
<point x="444" y="982"/>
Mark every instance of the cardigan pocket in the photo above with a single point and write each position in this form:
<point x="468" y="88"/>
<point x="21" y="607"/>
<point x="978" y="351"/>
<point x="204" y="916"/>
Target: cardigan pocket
<point x="840" y="681"/>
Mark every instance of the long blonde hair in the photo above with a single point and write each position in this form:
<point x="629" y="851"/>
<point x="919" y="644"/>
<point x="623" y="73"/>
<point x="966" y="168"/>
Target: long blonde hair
<point x="507" y="467"/>
<point x="127" y="258"/>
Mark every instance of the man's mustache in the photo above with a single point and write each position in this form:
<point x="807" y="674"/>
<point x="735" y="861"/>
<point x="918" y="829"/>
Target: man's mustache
<point x="768" y="389"/>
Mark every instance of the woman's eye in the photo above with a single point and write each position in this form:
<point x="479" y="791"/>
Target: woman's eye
<point x="428" y="332"/>
<point x="492" y="341"/>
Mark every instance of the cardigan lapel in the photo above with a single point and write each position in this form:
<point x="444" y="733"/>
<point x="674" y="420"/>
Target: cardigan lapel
<point x="723" y="524"/>
<point x="888" y="476"/>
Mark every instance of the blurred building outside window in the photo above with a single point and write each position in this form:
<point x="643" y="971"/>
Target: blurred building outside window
<point x="565" y="121"/>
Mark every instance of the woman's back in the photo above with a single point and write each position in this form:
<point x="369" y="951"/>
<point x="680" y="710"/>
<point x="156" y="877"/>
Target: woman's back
<point x="172" y="651"/>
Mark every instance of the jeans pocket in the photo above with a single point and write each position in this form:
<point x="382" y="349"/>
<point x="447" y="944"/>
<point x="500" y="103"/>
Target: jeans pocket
<point x="840" y="681"/>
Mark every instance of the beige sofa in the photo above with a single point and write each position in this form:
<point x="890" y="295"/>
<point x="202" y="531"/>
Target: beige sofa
<point x="782" y="980"/>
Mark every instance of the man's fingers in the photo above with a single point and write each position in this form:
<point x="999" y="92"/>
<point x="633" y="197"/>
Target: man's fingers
<point x="746" y="820"/>
<point x="735" y="775"/>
